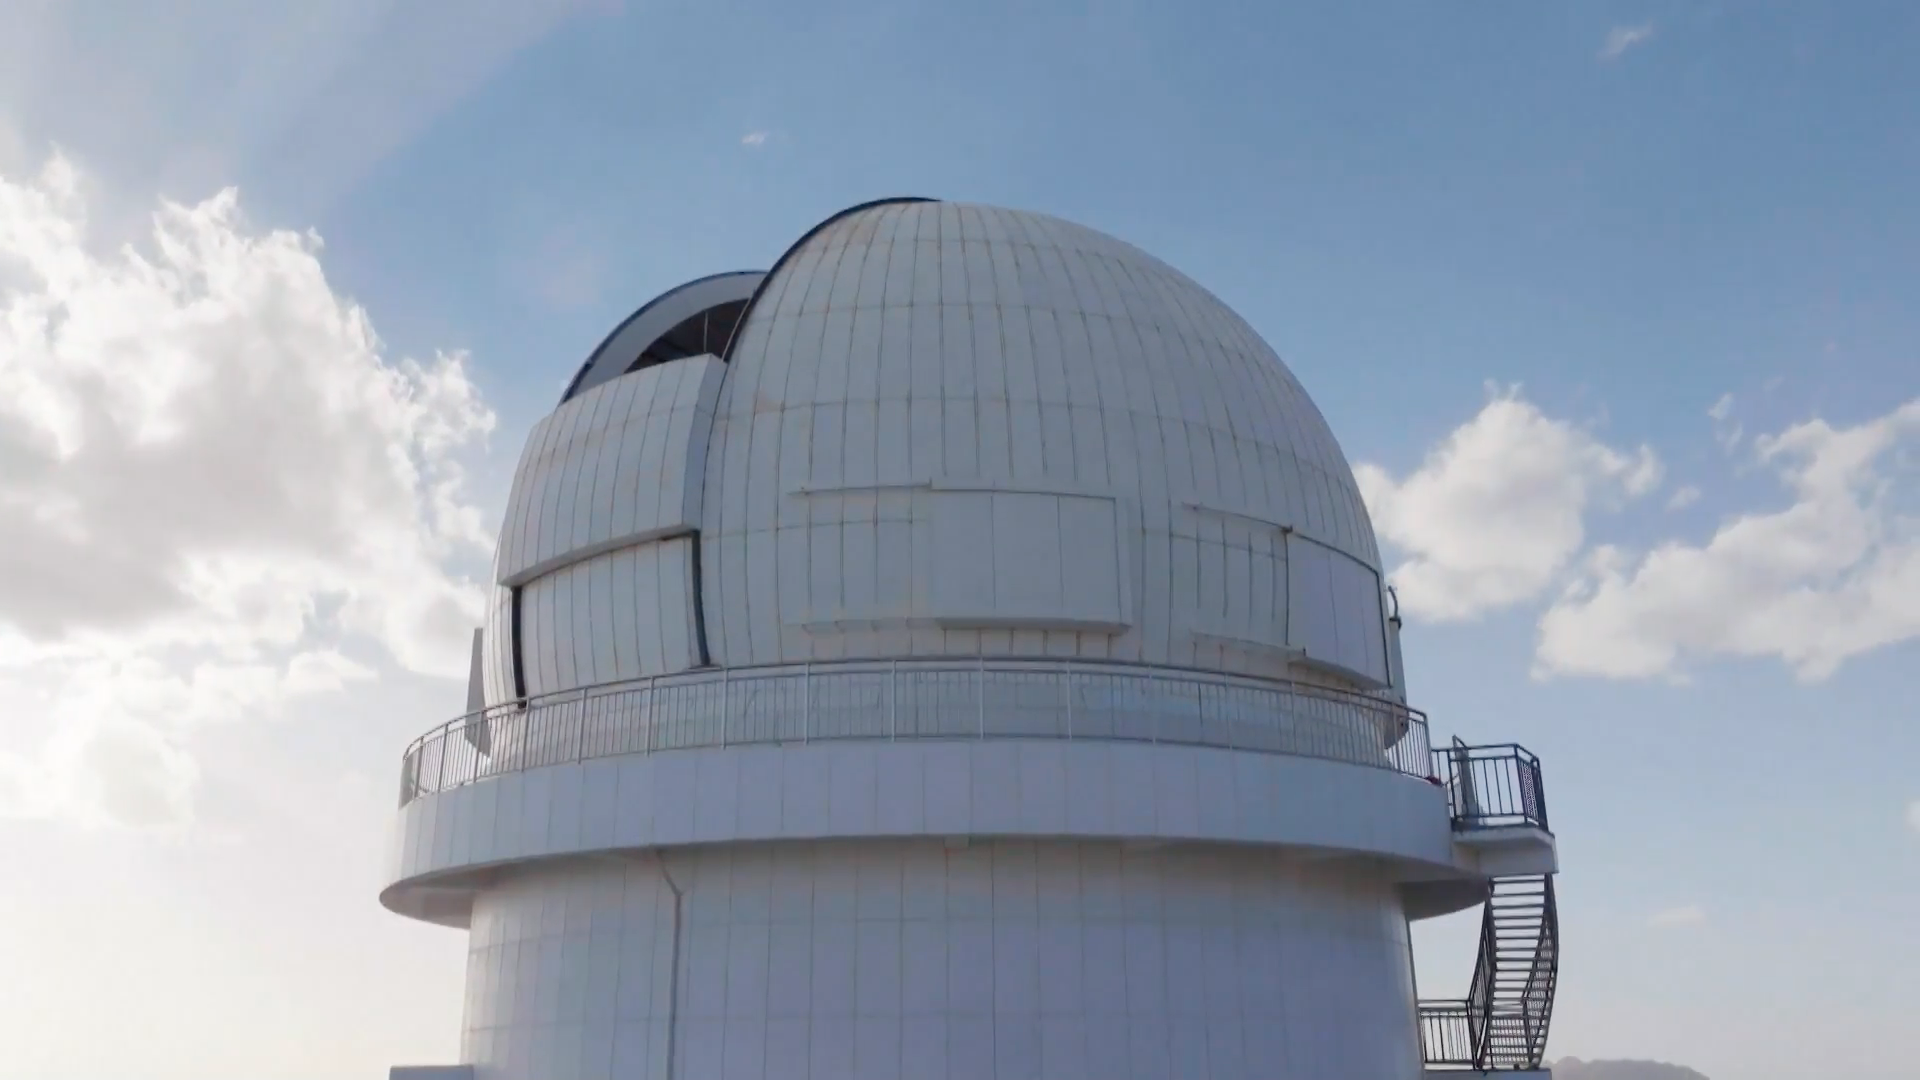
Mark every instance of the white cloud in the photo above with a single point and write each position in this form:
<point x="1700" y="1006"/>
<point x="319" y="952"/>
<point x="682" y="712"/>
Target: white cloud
<point x="754" y="138"/>
<point x="127" y="773"/>
<point x="1622" y="38"/>
<point x="1684" y="497"/>
<point x="1726" y="430"/>
<point x="1913" y="815"/>
<point x="212" y="479"/>
<point x="108" y="770"/>
<point x="1688" y="915"/>
<point x="1834" y="574"/>
<point x="1496" y="512"/>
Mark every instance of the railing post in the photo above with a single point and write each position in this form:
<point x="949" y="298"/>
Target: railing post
<point x="726" y="702"/>
<point x="1539" y="793"/>
<point x="580" y="728"/>
<point x="653" y="711"/>
<point x="1066" y="680"/>
<point x="526" y="720"/>
<point x="806" y="702"/>
<point x="440" y="784"/>
<point x="980" y="680"/>
<point x="893" y="696"/>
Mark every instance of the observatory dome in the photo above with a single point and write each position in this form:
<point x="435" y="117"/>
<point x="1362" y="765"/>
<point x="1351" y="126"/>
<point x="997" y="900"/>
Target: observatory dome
<point x="959" y="647"/>
<point x="939" y="429"/>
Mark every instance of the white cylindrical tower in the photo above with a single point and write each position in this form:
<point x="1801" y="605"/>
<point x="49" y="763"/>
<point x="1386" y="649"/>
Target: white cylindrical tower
<point x="959" y="651"/>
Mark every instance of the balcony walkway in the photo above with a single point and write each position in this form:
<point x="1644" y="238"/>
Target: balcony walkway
<point x="969" y="699"/>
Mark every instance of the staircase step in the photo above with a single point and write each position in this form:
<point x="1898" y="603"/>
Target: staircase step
<point x="1510" y="1000"/>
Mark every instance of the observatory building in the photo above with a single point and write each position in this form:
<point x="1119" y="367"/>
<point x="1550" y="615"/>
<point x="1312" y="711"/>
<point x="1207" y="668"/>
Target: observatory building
<point x="957" y="651"/>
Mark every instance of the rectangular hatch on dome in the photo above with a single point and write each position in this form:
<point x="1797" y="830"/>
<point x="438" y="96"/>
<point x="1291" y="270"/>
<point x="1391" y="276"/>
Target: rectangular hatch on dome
<point x="1026" y="559"/>
<point x="1335" y="610"/>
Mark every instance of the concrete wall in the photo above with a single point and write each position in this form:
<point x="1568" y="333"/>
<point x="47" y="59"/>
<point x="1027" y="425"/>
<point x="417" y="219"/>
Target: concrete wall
<point x="895" y="960"/>
<point x="877" y="790"/>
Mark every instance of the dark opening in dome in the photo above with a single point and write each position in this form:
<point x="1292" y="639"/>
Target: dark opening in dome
<point x="706" y="332"/>
<point x="689" y="320"/>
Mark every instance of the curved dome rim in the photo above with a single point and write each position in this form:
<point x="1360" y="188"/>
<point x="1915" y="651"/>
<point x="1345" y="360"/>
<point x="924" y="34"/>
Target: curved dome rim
<point x="576" y="384"/>
<point x="793" y="249"/>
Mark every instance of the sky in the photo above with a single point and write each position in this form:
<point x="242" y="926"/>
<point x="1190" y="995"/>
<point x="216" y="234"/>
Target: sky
<point x="1611" y="305"/>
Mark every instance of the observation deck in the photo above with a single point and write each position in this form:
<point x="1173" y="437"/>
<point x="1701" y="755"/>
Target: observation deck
<point x="983" y="747"/>
<point x="1008" y="747"/>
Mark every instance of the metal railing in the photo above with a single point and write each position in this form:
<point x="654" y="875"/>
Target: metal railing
<point x="1447" y="1033"/>
<point x="1492" y="786"/>
<point x="1503" y="1021"/>
<point x="972" y="699"/>
<point x="1543" y="977"/>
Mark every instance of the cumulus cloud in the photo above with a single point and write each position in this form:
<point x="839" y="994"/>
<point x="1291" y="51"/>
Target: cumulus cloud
<point x="754" y="138"/>
<point x="1683" y="497"/>
<point x="212" y="481"/>
<point x="1496" y="512"/>
<point x="1622" y="38"/>
<point x="1688" y="915"/>
<point x="1833" y="574"/>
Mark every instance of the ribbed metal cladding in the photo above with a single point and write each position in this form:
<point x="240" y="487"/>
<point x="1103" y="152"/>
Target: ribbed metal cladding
<point x="1044" y="367"/>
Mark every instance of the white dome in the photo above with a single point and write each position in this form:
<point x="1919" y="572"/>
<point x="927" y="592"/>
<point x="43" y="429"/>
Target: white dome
<point x="947" y="430"/>
<point x="910" y="354"/>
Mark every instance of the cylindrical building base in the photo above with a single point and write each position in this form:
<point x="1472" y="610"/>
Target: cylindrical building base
<point x="904" y="959"/>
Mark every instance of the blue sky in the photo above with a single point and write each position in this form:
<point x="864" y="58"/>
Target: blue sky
<point x="1627" y="210"/>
